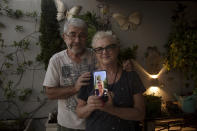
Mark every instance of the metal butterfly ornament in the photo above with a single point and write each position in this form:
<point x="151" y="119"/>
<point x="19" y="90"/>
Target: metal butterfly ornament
<point x="62" y="13"/>
<point x="128" y="22"/>
<point x="60" y="10"/>
<point x="75" y="10"/>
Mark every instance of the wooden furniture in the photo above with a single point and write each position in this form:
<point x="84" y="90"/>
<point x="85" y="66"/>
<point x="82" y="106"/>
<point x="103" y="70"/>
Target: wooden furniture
<point x="181" y="122"/>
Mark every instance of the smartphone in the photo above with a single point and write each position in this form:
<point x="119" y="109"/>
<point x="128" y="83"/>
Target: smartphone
<point x="100" y="84"/>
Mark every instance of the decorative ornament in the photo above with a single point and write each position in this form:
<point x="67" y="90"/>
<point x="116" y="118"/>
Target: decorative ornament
<point x="130" y="22"/>
<point x="60" y="10"/>
<point x="75" y="10"/>
<point x="104" y="9"/>
<point x="154" y="60"/>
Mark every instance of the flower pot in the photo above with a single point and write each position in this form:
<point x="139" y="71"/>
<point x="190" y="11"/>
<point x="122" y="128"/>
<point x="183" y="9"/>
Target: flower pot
<point x="187" y="103"/>
<point x="50" y="126"/>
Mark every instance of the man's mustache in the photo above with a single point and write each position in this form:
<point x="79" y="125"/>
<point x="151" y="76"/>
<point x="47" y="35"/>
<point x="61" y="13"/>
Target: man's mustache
<point x="71" y="45"/>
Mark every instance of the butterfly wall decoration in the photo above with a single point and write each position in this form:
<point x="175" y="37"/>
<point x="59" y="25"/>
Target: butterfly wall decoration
<point x="61" y="10"/>
<point x="75" y="10"/>
<point x="63" y="13"/>
<point x="127" y="22"/>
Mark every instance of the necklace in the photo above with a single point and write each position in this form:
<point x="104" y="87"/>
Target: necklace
<point x="114" y="79"/>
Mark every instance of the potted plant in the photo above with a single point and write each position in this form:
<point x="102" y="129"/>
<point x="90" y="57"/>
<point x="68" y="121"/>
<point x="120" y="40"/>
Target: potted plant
<point x="153" y="106"/>
<point x="126" y="57"/>
<point x="51" y="123"/>
<point x="182" y="46"/>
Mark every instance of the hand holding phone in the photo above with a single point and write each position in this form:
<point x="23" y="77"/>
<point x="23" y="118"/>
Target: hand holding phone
<point x="100" y="84"/>
<point x="83" y="80"/>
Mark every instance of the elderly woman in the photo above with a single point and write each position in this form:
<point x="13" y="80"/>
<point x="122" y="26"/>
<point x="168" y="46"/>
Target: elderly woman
<point x="125" y="105"/>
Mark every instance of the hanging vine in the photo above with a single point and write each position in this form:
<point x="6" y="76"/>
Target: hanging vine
<point x="182" y="45"/>
<point x="14" y="64"/>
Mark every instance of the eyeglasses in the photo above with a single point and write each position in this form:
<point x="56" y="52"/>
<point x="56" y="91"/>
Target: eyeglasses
<point x="73" y="36"/>
<point x="108" y="48"/>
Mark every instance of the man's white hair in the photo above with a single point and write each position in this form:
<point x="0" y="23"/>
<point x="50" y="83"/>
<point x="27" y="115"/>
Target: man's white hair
<point x="105" y="34"/>
<point x="76" y="22"/>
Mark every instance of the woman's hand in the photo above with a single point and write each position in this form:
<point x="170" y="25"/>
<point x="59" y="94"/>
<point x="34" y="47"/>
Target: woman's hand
<point x="94" y="102"/>
<point x="107" y="106"/>
<point x="137" y="112"/>
<point x="85" y="108"/>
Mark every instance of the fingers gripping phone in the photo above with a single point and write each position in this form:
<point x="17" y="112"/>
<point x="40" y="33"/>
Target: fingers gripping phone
<point x="100" y="84"/>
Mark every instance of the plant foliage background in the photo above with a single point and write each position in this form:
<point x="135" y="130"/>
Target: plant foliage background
<point x="182" y="45"/>
<point x="50" y="39"/>
<point x="15" y="65"/>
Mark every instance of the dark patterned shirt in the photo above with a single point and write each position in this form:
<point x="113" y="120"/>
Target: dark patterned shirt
<point x="124" y="89"/>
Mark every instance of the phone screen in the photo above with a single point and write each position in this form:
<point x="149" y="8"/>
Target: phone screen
<point x="100" y="82"/>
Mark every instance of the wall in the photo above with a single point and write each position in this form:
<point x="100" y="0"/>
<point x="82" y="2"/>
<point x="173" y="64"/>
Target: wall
<point x="32" y="78"/>
<point x="153" y="31"/>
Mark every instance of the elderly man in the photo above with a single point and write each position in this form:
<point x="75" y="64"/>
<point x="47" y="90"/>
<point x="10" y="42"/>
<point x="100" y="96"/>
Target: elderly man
<point x="67" y="72"/>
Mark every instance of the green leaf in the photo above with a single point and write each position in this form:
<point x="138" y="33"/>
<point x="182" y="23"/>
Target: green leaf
<point x="18" y="13"/>
<point x="29" y="63"/>
<point x="9" y="56"/>
<point x="23" y="93"/>
<point x="128" y="53"/>
<point x="9" y="12"/>
<point x="32" y="14"/>
<point x="7" y="65"/>
<point x="2" y="25"/>
<point x="19" y="28"/>
<point x="20" y="69"/>
<point x="9" y="92"/>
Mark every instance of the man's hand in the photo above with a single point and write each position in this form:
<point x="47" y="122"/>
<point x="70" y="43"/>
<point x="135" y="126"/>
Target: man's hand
<point x="83" y="80"/>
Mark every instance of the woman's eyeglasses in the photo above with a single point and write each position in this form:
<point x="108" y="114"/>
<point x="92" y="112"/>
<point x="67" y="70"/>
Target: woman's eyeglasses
<point x="108" y="48"/>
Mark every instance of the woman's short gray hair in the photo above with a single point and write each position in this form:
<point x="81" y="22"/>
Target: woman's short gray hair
<point x="76" y="22"/>
<point x="105" y="34"/>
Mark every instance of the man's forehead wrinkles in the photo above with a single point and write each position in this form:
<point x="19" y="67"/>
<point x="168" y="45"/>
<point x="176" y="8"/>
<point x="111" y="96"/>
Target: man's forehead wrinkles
<point x="75" y="32"/>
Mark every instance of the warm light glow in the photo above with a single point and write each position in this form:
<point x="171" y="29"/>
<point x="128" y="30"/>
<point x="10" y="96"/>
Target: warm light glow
<point x="161" y="71"/>
<point x="139" y="67"/>
<point x="155" y="86"/>
<point x="157" y="75"/>
<point x="154" y="76"/>
<point x="153" y="90"/>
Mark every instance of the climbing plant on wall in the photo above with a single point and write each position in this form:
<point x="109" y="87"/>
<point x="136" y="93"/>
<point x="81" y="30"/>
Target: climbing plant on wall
<point x="14" y="64"/>
<point x="50" y="39"/>
<point x="11" y="64"/>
